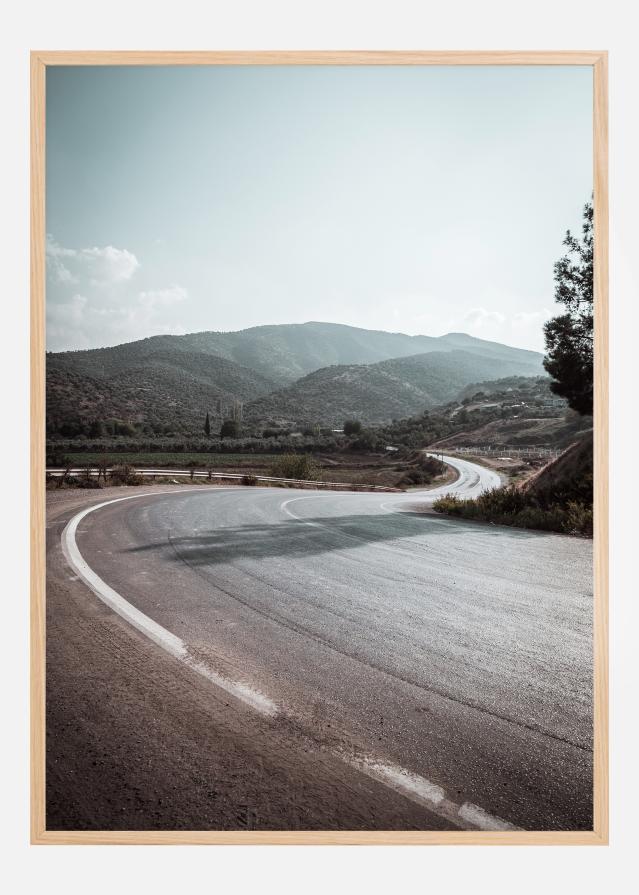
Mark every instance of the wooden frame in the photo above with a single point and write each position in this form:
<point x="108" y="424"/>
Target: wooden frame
<point x="599" y="62"/>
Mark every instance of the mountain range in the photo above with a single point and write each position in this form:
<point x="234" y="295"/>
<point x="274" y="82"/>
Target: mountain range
<point x="300" y="373"/>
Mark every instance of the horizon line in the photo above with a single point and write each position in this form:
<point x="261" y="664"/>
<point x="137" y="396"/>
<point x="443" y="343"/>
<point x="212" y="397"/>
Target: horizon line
<point x="304" y="323"/>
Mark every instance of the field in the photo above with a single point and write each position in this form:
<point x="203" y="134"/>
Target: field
<point x="177" y="460"/>
<point x="348" y="467"/>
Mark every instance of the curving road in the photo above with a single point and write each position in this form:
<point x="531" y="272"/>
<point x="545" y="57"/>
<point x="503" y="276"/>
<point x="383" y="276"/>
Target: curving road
<point x="445" y="661"/>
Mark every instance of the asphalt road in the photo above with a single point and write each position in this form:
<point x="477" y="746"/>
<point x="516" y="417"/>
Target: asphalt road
<point x="440" y="671"/>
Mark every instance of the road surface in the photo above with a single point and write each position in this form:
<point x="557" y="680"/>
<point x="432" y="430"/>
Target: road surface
<point x="364" y="663"/>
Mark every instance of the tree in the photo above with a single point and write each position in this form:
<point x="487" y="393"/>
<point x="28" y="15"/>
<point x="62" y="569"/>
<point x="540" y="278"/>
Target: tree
<point x="230" y="429"/>
<point x="207" y="424"/>
<point x="352" y="427"/>
<point x="366" y="441"/>
<point x="569" y="337"/>
<point x="96" y="429"/>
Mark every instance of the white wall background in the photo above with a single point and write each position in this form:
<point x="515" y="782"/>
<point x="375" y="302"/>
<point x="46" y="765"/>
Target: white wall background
<point x="327" y="24"/>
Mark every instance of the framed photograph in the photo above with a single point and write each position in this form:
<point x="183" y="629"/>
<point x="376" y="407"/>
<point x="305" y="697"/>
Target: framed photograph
<point x="319" y="447"/>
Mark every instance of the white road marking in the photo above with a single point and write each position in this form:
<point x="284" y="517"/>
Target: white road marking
<point x="473" y="814"/>
<point x="284" y="506"/>
<point x="155" y="632"/>
<point x="413" y="786"/>
<point x="419" y="789"/>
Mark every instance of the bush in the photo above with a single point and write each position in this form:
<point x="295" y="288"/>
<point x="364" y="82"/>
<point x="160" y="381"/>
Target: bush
<point x="365" y="441"/>
<point x="352" y="427"/>
<point x="578" y="519"/>
<point x="423" y="473"/>
<point x="431" y="465"/>
<point x="72" y="481"/>
<point x="415" y="477"/>
<point x="124" y="475"/>
<point x="295" y="466"/>
<point x="510" y="505"/>
<point x="88" y="483"/>
<point x="249" y="480"/>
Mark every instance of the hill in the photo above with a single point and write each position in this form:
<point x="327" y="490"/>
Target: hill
<point x="568" y="478"/>
<point x="378" y="393"/>
<point x="168" y="383"/>
<point x="162" y="392"/>
<point x="513" y="411"/>
<point x="286" y="352"/>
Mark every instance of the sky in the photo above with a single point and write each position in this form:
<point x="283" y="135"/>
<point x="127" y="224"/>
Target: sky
<point x="416" y="199"/>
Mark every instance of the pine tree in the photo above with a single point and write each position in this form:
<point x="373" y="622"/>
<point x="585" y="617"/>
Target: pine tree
<point x="207" y="424"/>
<point x="569" y="337"/>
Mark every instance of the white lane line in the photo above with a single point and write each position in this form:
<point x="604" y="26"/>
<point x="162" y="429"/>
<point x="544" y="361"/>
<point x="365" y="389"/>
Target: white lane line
<point x="433" y="797"/>
<point x="413" y="786"/>
<point x="171" y="644"/>
<point x="284" y="506"/>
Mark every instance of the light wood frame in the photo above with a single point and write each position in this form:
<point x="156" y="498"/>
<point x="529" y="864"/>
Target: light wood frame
<point x="598" y="60"/>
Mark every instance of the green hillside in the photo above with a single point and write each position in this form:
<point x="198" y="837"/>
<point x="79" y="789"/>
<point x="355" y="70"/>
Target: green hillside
<point x="378" y="393"/>
<point x="167" y="391"/>
<point x="310" y="372"/>
<point x="284" y="353"/>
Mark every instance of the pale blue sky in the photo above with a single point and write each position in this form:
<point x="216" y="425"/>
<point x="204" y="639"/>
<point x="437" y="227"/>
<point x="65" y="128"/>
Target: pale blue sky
<point x="415" y="199"/>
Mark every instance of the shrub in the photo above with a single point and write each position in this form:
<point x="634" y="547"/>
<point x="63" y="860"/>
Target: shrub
<point x="352" y="427"/>
<point x="365" y="441"/>
<point x="88" y="483"/>
<point x="125" y="475"/>
<point x="426" y="470"/>
<point x="431" y="465"/>
<point x="510" y="505"/>
<point x="578" y="518"/>
<point x="249" y="480"/>
<point x="295" y="466"/>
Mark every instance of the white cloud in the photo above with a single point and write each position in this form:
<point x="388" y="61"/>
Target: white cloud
<point x="525" y="319"/>
<point x="106" y="265"/>
<point x="92" y="300"/>
<point x="163" y="297"/>
<point x="522" y="328"/>
<point x="480" y="317"/>
<point x="99" y="265"/>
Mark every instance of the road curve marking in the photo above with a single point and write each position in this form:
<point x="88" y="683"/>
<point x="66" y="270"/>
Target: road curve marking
<point x="169" y="642"/>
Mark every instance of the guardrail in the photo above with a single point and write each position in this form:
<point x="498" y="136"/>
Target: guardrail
<point x="198" y="473"/>
<point x="504" y="450"/>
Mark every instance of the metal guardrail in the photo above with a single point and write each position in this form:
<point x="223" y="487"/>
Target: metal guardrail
<point x="195" y="473"/>
<point x="503" y="450"/>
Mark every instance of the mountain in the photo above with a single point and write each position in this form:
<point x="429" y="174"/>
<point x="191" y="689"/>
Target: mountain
<point x="163" y="390"/>
<point x="311" y="371"/>
<point x="378" y="393"/>
<point x="284" y="353"/>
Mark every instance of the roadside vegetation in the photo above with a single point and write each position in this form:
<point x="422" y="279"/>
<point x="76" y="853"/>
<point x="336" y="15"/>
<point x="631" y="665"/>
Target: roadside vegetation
<point x="511" y="505"/>
<point x="295" y="466"/>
